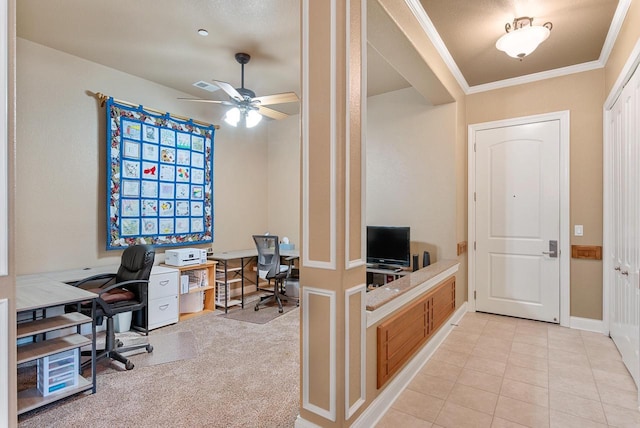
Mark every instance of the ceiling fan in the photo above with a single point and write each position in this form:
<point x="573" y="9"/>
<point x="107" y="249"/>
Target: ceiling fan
<point x="246" y="107"/>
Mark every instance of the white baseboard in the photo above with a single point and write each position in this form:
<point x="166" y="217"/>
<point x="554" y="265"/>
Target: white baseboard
<point x="303" y="423"/>
<point x="587" y="324"/>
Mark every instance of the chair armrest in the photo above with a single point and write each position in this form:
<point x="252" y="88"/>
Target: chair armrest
<point x="290" y="258"/>
<point x="121" y="284"/>
<point x="107" y="276"/>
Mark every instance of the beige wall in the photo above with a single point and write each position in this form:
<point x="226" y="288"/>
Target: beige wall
<point x="583" y="95"/>
<point x="283" y="187"/>
<point x="627" y="39"/>
<point x="60" y="157"/>
<point x="410" y="181"/>
<point x="405" y="19"/>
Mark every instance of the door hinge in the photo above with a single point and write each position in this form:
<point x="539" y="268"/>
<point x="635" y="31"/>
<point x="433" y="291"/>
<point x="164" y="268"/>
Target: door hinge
<point x="474" y="245"/>
<point x="474" y="147"/>
<point x="474" y="196"/>
<point x="474" y="294"/>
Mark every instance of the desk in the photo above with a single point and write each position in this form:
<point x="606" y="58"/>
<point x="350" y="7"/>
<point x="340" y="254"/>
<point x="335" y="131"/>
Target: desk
<point x="229" y="275"/>
<point x="38" y="293"/>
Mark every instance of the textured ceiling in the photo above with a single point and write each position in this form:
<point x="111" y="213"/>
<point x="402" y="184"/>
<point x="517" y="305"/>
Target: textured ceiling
<point x="157" y="39"/>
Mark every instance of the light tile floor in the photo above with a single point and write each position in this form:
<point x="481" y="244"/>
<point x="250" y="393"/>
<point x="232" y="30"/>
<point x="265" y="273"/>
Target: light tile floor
<point x="495" y="371"/>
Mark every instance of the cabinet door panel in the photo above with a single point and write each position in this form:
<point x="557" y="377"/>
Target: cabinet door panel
<point x="163" y="311"/>
<point x="163" y="285"/>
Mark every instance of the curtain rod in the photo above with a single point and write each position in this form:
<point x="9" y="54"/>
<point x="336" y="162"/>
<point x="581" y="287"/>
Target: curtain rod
<point x="103" y="99"/>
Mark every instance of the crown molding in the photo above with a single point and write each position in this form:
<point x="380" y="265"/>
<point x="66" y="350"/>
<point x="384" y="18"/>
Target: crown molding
<point x="614" y="30"/>
<point x="534" y="77"/>
<point x="426" y="24"/>
<point x="428" y="27"/>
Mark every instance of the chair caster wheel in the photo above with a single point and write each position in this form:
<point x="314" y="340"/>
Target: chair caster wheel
<point x="149" y="348"/>
<point x="119" y="343"/>
<point x="128" y="365"/>
<point x="256" y="308"/>
<point x="281" y="310"/>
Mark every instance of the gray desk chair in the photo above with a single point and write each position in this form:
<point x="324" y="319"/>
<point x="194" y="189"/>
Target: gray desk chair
<point x="120" y="292"/>
<point x="269" y="268"/>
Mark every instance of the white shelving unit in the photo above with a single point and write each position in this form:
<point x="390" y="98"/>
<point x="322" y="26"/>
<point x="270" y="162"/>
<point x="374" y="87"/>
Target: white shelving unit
<point x="223" y="285"/>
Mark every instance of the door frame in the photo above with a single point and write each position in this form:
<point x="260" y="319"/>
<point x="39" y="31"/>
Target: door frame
<point x="564" y="239"/>
<point x="633" y="61"/>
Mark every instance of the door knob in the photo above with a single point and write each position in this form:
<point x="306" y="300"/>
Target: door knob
<point x="553" y="249"/>
<point x="624" y="272"/>
<point x="616" y="268"/>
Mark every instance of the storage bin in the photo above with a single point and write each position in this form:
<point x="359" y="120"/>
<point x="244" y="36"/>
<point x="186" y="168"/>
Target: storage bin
<point x="192" y="302"/>
<point x="292" y="288"/>
<point x="122" y="322"/>
<point x="58" y="372"/>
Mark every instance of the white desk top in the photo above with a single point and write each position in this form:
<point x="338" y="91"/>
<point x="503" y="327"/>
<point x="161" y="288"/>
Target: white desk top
<point x="241" y="254"/>
<point x="47" y="289"/>
<point x="33" y="292"/>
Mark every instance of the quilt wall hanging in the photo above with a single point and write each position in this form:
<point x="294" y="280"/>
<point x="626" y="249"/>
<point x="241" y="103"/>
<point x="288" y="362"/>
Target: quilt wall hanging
<point x="159" y="178"/>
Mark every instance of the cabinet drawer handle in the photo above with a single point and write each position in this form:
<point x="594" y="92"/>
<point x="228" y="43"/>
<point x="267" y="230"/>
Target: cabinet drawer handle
<point x="163" y="307"/>
<point x="165" y="282"/>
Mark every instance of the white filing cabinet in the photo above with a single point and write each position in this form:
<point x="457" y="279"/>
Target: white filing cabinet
<point x="163" y="303"/>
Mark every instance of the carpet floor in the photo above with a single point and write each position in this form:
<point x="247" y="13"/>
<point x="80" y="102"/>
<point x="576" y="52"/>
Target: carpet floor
<point x="207" y="371"/>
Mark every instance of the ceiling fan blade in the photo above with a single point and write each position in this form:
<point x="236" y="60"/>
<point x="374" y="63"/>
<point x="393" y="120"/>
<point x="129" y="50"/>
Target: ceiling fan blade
<point x="271" y="113"/>
<point x="286" y="97"/>
<point x="230" y="90"/>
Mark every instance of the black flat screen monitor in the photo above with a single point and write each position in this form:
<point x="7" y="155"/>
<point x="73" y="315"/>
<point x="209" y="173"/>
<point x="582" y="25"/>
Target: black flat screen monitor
<point x="388" y="245"/>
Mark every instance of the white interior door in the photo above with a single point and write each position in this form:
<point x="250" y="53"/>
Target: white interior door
<point x="517" y="224"/>
<point x="623" y="226"/>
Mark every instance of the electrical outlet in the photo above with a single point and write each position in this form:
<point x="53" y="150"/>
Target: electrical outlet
<point x="578" y="230"/>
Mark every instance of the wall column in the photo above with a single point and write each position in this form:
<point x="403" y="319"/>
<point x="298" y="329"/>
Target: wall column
<point x="333" y="317"/>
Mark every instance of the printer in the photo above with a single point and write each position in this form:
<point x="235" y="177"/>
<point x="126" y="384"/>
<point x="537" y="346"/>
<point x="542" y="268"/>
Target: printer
<point x="185" y="257"/>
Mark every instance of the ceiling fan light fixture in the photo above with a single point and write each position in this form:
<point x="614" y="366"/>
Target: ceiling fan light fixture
<point x="523" y="37"/>
<point x="232" y="116"/>
<point x="252" y="118"/>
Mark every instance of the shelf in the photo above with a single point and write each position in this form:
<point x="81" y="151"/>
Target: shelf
<point x="48" y="324"/>
<point x="233" y="269"/>
<point x="36" y="350"/>
<point x="230" y="281"/>
<point x="198" y="289"/>
<point x="32" y="398"/>
<point x="208" y="264"/>
<point x="230" y="302"/>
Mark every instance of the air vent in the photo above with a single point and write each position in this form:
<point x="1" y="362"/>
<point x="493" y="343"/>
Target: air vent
<point x="206" y="86"/>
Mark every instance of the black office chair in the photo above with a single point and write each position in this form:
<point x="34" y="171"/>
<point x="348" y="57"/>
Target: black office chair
<point x="269" y="268"/>
<point x="124" y="291"/>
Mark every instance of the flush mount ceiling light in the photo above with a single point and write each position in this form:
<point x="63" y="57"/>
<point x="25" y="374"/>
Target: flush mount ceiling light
<point x="523" y="37"/>
<point x="203" y="32"/>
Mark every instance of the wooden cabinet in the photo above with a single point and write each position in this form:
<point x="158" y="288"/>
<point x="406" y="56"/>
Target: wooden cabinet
<point x="404" y="333"/>
<point x="207" y="290"/>
<point x="67" y="380"/>
<point x="163" y="297"/>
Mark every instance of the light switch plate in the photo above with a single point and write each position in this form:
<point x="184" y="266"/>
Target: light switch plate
<point x="578" y="230"/>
